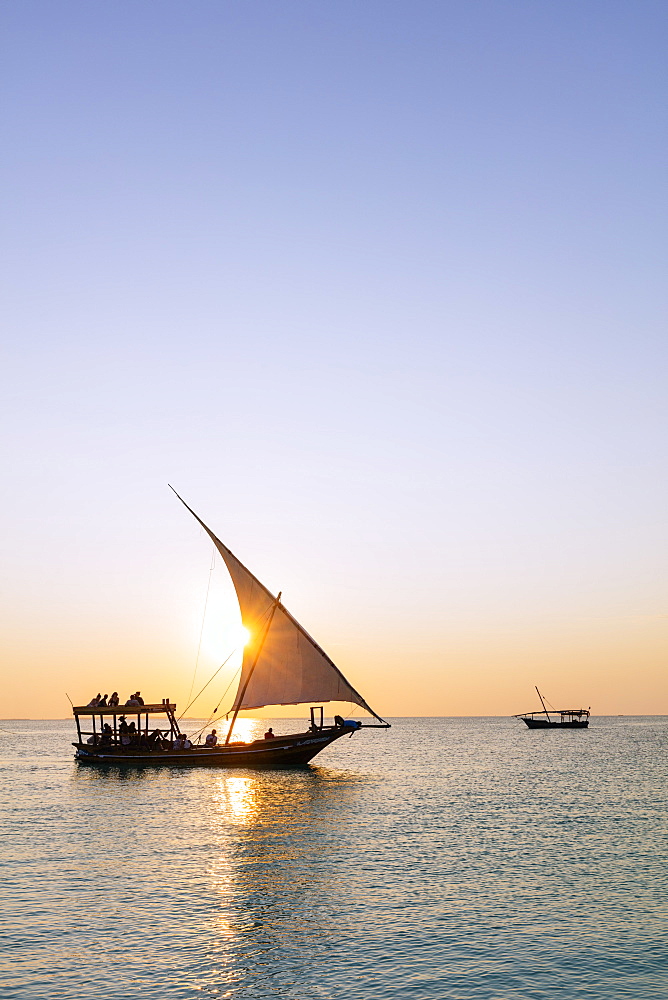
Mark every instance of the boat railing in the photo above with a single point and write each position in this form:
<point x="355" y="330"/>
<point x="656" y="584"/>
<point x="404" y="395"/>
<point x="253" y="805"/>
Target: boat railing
<point x="564" y="713"/>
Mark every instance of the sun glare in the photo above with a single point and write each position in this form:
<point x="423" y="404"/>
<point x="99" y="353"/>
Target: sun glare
<point x="245" y="730"/>
<point x="243" y="636"/>
<point x="235" y="636"/>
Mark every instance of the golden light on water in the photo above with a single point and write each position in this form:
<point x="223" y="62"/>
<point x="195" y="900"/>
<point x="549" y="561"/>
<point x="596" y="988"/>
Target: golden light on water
<point x="246" y="730"/>
<point x="236" y="798"/>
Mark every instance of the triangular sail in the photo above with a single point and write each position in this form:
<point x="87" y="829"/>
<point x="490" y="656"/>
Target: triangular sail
<point x="282" y="664"/>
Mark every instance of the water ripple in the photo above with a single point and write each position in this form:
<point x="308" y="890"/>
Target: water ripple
<point x="461" y="859"/>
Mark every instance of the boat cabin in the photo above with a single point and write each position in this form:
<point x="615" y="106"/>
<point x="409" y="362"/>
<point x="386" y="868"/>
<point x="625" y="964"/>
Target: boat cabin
<point x="126" y="725"/>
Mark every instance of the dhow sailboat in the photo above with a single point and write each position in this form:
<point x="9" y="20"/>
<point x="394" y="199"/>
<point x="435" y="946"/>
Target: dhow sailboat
<point x="282" y="665"/>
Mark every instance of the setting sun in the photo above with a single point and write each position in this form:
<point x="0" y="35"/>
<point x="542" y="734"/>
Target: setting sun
<point x="242" y="636"/>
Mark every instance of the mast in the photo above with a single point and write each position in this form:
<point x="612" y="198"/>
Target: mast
<point x="543" y="704"/>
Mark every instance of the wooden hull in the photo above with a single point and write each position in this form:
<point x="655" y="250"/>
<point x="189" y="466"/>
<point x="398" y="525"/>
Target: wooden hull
<point x="544" y="724"/>
<point x="283" y="751"/>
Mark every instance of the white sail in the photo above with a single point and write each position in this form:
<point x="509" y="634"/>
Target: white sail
<point x="282" y="664"/>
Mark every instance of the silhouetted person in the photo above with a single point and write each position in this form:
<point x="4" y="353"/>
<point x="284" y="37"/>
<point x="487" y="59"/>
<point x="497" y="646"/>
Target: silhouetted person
<point x="155" y="740"/>
<point x="269" y="735"/>
<point x="113" y="701"/>
<point x="124" y="732"/>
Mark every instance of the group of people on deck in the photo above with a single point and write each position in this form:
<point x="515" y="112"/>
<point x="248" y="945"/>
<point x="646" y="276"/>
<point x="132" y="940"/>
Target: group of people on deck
<point x="112" y="701"/>
<point x="183" y="743"/>
<point x="128" y="736"/>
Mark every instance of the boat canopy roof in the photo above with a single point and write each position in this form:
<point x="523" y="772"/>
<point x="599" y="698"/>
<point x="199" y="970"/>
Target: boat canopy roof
<point x="125" y="709"/>
<point x="554" y="711"/>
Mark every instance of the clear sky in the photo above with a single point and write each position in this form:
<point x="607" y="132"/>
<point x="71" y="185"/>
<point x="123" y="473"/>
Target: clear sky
<point x="379" y="287"/>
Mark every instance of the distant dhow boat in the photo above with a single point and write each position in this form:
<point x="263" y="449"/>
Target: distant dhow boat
<point x="282" y="665"/>
<point x="559" y="718"/>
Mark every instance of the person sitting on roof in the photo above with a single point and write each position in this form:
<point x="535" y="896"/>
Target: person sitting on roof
<point x="211" y="739"/>
<point x="140" y="700"/>
<point x="93" y="703"/>
<point x="269" y="735"/>
<point x="132" y="700"/>
<point x="102" y="703"/>
<point x="113" y="701"/>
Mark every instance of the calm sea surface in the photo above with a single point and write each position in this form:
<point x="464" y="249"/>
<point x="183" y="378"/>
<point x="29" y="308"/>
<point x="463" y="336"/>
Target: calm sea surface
<point x="445" y="858"/>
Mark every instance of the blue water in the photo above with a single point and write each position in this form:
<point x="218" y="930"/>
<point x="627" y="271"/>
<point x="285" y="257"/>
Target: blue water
<point x="445" y="858"/>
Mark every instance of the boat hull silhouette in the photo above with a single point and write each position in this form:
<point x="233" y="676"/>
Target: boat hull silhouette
<point x="294" y="750"/>
<point x="544" y="724"/>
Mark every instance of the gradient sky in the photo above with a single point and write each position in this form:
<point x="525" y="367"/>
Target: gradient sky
<point x="379" y="287"/>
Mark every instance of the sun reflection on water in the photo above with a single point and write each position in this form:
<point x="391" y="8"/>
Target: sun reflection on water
<point x="274" y="876"/>
<point x="236" y="798"/>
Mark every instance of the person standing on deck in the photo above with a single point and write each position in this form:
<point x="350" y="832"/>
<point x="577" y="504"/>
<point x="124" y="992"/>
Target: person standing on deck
<point x="124" y="732"/>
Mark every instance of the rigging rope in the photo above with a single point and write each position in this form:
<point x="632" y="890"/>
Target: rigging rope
<point x="223" y="715"/>
<point x="207" y="683"/>
<point x="266" y="614"/>
<point x="201" y="631"/>
<point x="210" y="721"/>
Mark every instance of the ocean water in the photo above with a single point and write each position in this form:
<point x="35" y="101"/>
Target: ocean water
<point x="468" y="859"/>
